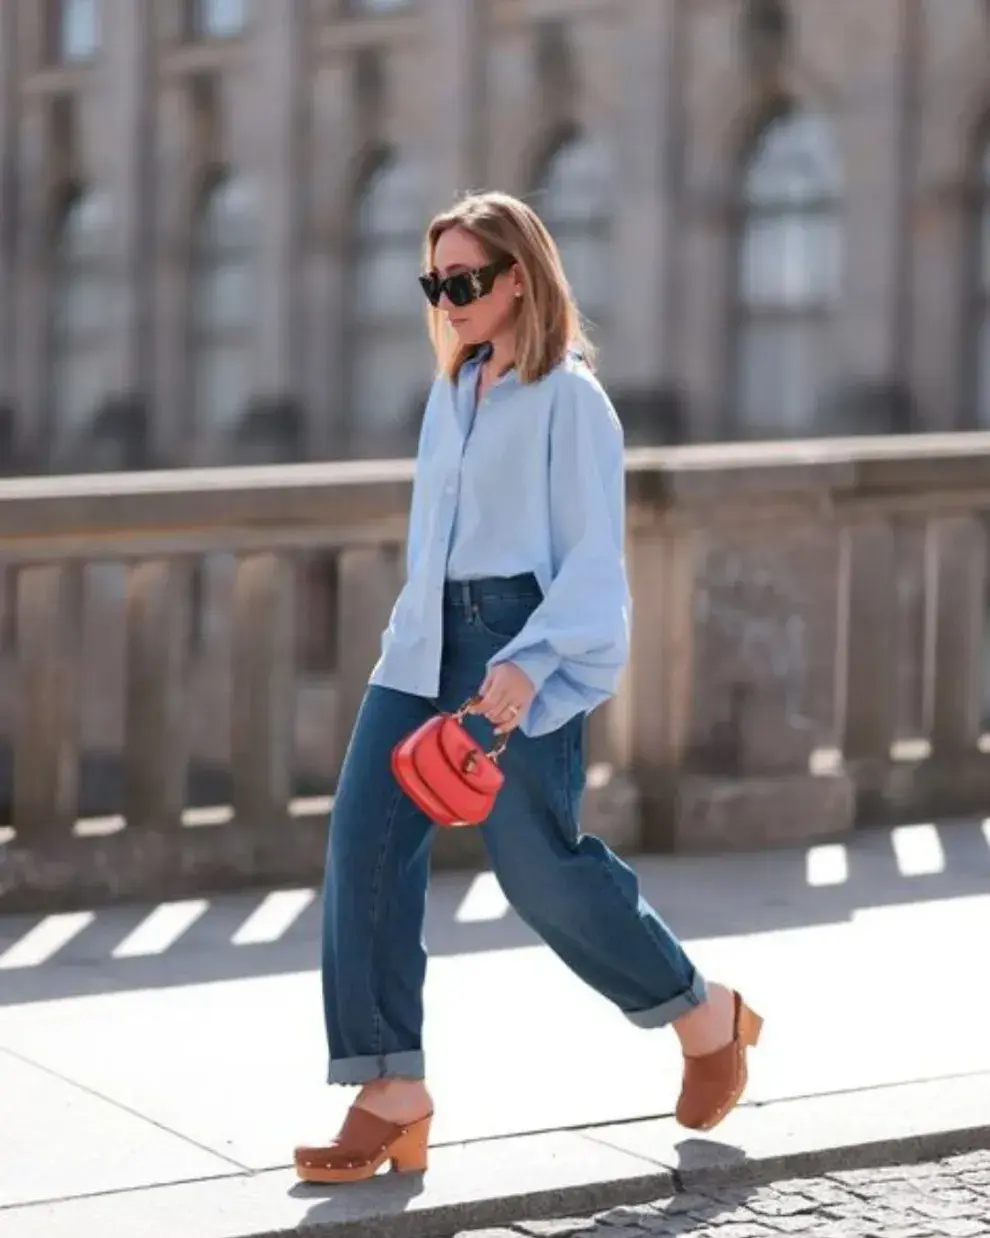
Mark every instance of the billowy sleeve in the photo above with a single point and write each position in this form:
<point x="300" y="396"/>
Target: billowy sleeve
<point x="575" y="645"/>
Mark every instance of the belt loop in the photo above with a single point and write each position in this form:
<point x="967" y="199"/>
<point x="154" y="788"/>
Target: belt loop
<point x="466" y="595"/>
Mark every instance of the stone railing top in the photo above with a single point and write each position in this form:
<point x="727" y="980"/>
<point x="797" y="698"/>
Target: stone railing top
<point x="845" y="468"/>
<point x="334" y="495"/>
<point x="171" y="510"/>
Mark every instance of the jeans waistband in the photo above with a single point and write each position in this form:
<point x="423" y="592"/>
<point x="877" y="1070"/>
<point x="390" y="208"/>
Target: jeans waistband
<point x="470" y="593"/>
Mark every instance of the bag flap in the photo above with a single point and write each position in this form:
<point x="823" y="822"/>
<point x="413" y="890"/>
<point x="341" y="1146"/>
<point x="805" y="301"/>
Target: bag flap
<point x="468" y="759"/>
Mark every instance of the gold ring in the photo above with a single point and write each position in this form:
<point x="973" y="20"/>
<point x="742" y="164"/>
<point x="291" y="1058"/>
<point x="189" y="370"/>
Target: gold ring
<point x="513" y="709"/>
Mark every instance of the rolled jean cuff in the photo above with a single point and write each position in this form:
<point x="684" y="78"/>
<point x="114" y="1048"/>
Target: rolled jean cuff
<point x="353" y="1071"/>
<point x="659" y="1016"/>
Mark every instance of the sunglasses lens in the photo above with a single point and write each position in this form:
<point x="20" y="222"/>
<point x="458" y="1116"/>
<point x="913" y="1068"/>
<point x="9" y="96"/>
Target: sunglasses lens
<point x="459" y="290"/>
<point x="431" y="287"/>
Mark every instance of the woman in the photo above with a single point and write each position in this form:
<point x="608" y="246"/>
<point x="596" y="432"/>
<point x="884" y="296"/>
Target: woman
<point x="516" y="594"/>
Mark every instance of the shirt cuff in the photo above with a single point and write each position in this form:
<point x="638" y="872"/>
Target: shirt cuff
<point x="536" y="664"/>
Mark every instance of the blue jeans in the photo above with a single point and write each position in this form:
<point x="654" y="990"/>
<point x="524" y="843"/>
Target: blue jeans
<point x="578" y="896"/>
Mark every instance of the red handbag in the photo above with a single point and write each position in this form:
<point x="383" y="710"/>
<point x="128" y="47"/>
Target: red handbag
<point x="446" y="773"/>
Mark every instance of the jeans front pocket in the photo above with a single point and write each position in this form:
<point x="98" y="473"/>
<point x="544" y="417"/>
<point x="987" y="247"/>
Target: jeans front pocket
<point x="503" y="618"/>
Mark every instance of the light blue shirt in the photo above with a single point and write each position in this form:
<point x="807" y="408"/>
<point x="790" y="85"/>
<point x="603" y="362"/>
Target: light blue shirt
<point x="531" y="479"/>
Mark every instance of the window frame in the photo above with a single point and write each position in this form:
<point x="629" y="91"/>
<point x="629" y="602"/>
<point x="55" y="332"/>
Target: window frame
<point x="68" y="344"/>
<point x="595" y="229"/>
<point x="58" y="24"/>
<point x="976" y="415"/>
<point x="400" y="328"/>
<point x="205" y="337"/>
<point x="198" y="28"/>
<point x="815" y="314"/>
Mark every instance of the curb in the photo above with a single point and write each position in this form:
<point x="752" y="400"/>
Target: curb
<point x="907" y="1150"/>
<point x="458" y="1220"/>
<point x="699" y="1164"/>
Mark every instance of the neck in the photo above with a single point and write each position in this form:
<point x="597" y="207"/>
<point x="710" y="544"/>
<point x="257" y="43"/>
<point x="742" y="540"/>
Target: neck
<point x="503" y="353"/>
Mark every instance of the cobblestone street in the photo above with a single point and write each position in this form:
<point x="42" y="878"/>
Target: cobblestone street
<point x="947" y="1199"/>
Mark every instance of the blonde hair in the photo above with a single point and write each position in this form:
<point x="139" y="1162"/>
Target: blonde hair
<point x="549" y="323"/>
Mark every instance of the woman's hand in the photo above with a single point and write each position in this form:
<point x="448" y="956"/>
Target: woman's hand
<point x="504" y="697"/>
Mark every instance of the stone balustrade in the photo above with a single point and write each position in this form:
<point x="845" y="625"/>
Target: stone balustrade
<point x="808" y="654"/>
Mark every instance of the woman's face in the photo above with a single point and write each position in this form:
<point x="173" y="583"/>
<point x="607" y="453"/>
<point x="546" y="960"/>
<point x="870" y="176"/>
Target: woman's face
<point x="487" y="316"/>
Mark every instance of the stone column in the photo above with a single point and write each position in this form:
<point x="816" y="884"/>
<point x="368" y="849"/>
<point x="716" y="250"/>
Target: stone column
<point x="171" y="423"/>
<point x="457" y="124"/>
<point x="715" y="89"/>
<point x="273" y="160"/>
<point x="871" y="141"/>
<point x="34" y="213"/>
<point x="322" y="274"/>
<point x="8" y="205"/>
<point x="943" y="234"/>
<point x="645" y="134"/>
<point x="124" y="149"/>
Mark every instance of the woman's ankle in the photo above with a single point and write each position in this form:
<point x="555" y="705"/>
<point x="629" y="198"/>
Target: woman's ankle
<point x="707" y="1027"/>
<point x="399" y="1100"/>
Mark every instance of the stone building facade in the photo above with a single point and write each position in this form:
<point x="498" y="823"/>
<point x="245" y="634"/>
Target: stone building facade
<point x="776" y="214"/>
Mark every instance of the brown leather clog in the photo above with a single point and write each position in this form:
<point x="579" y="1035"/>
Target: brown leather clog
<point x="364" y="1144"/>
<point x="714" y="1083"/>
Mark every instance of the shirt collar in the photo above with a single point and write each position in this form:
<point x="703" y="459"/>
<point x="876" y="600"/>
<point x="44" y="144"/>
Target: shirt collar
<point x="469" y="372"/>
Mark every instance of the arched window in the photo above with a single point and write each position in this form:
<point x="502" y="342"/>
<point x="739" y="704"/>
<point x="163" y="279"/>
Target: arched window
<point x="574" y="197"/>
<point x="982" y="305"/>
<point x="223" y="299"/>
<point x="789" y="276"/>
<point x="80" y="307"/>
<point x="389" y="357"/>
<point x="217" y="19"/>
<point x="74" y="29"/>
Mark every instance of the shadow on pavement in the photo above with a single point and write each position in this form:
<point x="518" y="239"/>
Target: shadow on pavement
<point x="387" y="1194"/>
<point x="228" y="937"/>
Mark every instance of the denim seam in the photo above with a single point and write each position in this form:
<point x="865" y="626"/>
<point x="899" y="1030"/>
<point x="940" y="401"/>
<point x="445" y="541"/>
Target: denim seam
<point x="575" y="842"/>
<point x="652" y="934"/>
<point x="376" y="901"/>
<point x="564" y="808"/>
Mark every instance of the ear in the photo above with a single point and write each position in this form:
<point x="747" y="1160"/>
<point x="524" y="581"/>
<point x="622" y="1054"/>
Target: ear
<point x="517" y="281"/>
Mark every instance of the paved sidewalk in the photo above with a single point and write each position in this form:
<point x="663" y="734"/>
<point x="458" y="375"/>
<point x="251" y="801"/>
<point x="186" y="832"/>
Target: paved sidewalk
<point x="171" y="1056"/>
<point x="939" y="1199"/>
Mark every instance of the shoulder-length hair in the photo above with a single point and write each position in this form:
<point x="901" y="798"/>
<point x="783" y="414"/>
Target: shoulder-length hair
<point x="549" y="322"/>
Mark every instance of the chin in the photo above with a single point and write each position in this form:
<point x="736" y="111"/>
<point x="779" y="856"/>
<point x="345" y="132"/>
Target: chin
<point x="469" y="335"/>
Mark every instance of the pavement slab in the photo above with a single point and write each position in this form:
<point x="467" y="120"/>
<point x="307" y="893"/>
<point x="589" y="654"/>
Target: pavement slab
<point x="58" y="1138"/>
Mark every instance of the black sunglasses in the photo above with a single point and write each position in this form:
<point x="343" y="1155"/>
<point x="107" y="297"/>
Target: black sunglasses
<point x="464" y="286"/>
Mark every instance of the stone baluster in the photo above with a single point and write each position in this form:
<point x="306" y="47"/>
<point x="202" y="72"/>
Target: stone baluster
<point x="263" y="688"/>
<point x="155" y="758"/>
<point x="956" y="573"/>
<point x="955" y="778"/>
<point x="46" y="745"/>
<point x="868" y="627"/>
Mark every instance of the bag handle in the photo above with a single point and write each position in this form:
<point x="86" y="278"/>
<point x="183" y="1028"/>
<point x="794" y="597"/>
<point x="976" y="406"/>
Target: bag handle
<point x="500" y="743"/>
